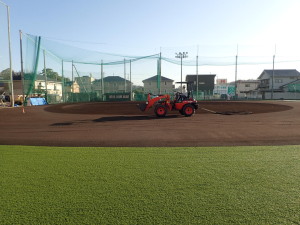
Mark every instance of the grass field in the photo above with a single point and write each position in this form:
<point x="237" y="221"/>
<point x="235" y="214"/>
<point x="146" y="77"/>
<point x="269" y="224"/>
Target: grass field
<point x="224" y="185"/>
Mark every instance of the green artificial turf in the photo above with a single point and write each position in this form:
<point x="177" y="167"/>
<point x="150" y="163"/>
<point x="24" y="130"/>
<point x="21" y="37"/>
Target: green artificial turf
<point x="221" y="185"/>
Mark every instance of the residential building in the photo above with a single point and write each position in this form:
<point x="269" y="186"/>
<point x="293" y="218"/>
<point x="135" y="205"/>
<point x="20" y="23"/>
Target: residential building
<point x="72" y="87"/>
<point x="112" y="84"/>
<point x="85" y="83"/>
<point x="272" y="83"/>
<point x="246" y="88"/>
<point x="151" y="85"/>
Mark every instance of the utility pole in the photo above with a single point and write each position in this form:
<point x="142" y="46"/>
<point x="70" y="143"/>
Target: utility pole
<point x="181" y="55"/>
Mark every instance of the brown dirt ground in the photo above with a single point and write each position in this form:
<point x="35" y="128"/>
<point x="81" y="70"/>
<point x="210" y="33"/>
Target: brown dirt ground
<point x="122" y="124"/>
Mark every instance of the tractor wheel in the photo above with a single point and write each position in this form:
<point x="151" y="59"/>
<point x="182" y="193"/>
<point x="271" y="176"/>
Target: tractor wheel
<point x="160" y="110"/>
<point x="188" y="110"/>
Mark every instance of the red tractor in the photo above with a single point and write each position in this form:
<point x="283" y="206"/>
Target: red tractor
<point x="186" y="105"/>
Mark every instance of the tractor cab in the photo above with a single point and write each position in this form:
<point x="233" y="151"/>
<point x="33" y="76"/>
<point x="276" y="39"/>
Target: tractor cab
<point x="186" y="94"/>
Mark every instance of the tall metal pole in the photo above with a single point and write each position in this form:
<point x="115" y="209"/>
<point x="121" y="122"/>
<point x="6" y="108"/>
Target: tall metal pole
<point x="235" y="82"/>
<point x="130" y="80"/>
<point x="273" y="78"/>
<point x="197" y="75"/>
<point x="124" y="75"/>
<point x="12" y="99"/>
<point x="72" y="85"/>
<point x="181" y="76"/>
<point x="45" y="71"/>
<point x="63" y="81"/>
<point x="197" y="71"/>
<point x="181" y="55"/>
<point x="22" y="67"/>
<point x="102" y="81"/>
<point x="159" y="74"/>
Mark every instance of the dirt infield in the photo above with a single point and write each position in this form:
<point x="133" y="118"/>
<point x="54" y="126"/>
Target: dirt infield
<point x="122" y="124"/>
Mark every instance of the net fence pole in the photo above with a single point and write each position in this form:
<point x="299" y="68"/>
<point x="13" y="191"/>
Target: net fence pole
<point x="72" y="85"/>
<point x="45" y="71"/>
<point x="102" y="81"/>
<point x="12" y="99"/>
<point x="22" y="66"/>
<point x="63" y="81"/>
<point x="160" y="73"/>
<point x="272" y="90"/>
<point x="130" y="80"/>
<point x="235" y="77"/>
<point x="124" y="75"/>
<point x="197" y="87"/>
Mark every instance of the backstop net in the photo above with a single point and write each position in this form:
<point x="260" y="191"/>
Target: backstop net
<point x="62" y="72"/>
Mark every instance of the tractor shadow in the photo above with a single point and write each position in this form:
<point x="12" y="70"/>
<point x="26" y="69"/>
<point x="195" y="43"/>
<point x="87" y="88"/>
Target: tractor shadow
<point x="132" y="118"/>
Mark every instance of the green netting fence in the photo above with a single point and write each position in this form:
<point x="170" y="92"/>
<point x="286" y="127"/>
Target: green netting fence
<point x="64" y="73"/>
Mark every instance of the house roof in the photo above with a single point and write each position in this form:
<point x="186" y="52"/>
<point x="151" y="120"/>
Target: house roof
<point x="245" y="81"/>
<point x="154" y="78"/>
<point x="201" y="75"/>
<point x="114" y="79"/>
<point x="281" y="73"/>
<point x="111" y="79"/>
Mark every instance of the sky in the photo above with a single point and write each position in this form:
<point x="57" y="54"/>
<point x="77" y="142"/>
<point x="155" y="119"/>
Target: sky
<point x="213" y="28"/>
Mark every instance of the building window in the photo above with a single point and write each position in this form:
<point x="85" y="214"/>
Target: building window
<point x="247" y="85"/>
<point x="278" y="80"/>
<point x="165" y="83"/>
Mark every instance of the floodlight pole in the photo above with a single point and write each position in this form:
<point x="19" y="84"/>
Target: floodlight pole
<point x="181" y="55"/>
<point x="12" y="99"/>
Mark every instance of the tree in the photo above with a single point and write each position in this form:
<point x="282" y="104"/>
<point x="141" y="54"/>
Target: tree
<point x="53" y="75"/>
<point x="5" y="74"/>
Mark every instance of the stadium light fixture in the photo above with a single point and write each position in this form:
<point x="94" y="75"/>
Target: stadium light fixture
<point x="181" y="55"/>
